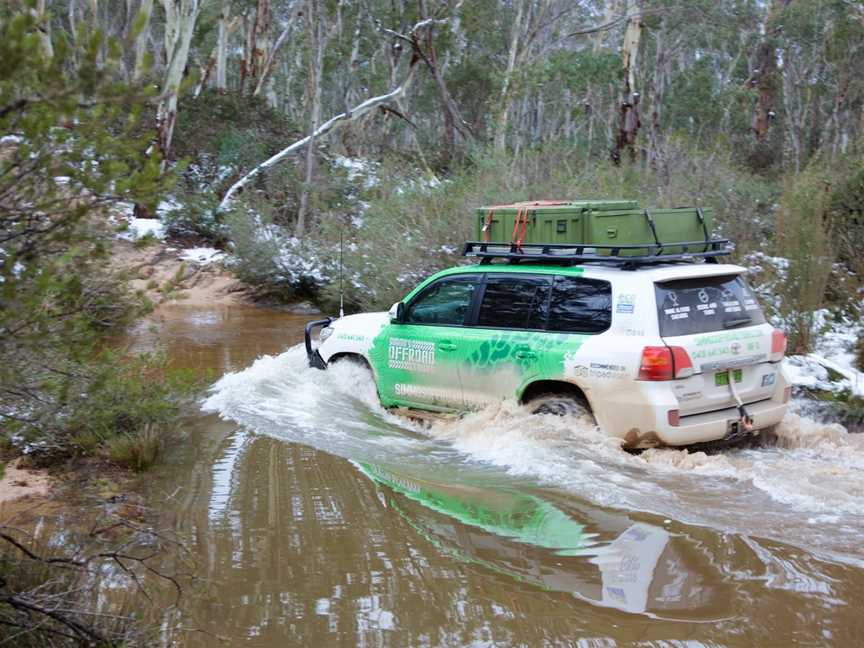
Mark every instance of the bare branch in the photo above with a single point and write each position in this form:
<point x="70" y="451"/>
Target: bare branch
<point x="349" y="115"/>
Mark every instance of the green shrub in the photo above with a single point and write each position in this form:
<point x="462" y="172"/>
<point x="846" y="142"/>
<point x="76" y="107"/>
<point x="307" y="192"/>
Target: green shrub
<point x="805" y="228"/>
<point x="413" y="227"/>
<point x="197" y="217"/>
<point x="268" y="257"/>
<point x="87" y="406"/>
<point x="847" y="204"/>
<point x="859" y="353"/>
<point x="137" y="451"/>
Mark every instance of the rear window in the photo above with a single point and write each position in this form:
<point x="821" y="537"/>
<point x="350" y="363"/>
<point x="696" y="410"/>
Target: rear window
<point x="580" y="305"/>
<point x="511" y="302"/>
<point x="705" y="305"/>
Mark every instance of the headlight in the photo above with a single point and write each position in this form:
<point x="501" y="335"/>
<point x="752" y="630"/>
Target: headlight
<point x="324" y="333"/>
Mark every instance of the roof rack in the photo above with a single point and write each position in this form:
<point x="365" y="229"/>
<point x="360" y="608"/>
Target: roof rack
<point x="629" y="257"/>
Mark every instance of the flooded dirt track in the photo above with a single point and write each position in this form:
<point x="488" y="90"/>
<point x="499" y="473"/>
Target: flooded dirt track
<point x="318" y="519"/>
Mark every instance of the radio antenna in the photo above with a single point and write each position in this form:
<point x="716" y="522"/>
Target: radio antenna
<point x="341" y="272"/>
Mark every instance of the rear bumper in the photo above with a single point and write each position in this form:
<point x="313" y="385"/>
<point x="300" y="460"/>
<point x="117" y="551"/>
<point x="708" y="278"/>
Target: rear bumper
<point x="640" y="416"/>
<point x="713" y="426"/>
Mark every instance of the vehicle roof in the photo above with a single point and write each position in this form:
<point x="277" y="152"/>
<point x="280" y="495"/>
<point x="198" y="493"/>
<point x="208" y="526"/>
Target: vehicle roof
<point x="660" y="272"/>
<point x="654" y="273"/>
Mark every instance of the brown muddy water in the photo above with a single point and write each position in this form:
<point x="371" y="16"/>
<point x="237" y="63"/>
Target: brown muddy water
<point x="318" y="519"/>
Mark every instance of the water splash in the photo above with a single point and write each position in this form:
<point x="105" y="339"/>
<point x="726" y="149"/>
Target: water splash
<point x="806" y="488"/>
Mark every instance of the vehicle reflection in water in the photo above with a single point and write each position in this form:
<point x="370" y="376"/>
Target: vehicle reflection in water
<point x="530" y="539"/>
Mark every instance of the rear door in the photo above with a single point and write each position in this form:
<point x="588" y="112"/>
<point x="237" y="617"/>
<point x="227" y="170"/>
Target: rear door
<point x="502" y="348"/>
<point x="718" y="321"/>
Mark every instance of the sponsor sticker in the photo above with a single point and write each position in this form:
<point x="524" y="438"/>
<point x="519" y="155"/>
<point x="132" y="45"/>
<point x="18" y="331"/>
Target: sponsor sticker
<point x="411" y="355"/>
<point x="626" y="303"/>
<point x="426" y="393"/>
<point x="768" y="380"/>
<point x="599" y="370"/>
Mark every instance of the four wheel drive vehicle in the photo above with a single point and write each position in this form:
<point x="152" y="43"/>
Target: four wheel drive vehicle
<point x="660" y="350"/>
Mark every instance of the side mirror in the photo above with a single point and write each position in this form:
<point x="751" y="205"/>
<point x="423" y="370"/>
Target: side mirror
<point x="397" y="313"/>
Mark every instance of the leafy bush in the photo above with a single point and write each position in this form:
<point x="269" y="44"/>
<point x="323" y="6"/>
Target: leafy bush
<point x="805" y="228"/>
<point x="847" y="204"/>
<point x="412" y="228"/>
<point x="198" y="216"/>
<point x="99" y="405"/>
<point x="280" y="265"/>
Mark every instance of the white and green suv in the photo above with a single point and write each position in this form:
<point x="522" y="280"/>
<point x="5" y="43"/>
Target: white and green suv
<point x="668" y="354"/>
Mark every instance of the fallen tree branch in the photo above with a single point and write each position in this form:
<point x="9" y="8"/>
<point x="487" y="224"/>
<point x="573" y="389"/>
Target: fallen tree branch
<point x="349" y="115"/>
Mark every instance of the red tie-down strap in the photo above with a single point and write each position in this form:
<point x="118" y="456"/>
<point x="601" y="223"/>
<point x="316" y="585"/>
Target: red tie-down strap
<point x="516" y="224"/>
<point x="520" y="227"/>
<point x="524" y="230"/>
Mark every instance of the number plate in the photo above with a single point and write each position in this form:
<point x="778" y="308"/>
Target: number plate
<point x="721" y="379"/>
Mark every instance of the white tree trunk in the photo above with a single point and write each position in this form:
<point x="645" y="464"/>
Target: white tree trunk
<point x="222" y="46"/>
<point x="271" y="57"/>
<point x="180" y="18"/>
<point x="628" y="125"/>
<point x="44" y="28"/>
<point x="504" y="107"/>
<point x="315" y="14"/>
<point x="142" y="39"/>
<point x="259" y="45"/>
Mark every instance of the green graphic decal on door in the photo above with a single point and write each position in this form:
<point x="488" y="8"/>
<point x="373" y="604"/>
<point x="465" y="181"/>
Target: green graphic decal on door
<point x="454" y="367"/>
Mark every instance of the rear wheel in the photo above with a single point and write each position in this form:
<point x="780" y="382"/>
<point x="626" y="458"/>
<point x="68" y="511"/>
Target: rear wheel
<point x="561" y="405"/>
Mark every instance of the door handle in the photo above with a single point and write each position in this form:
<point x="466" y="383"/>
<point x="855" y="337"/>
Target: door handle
<point x="446" y="345"/>
<point x="525" y="353"/>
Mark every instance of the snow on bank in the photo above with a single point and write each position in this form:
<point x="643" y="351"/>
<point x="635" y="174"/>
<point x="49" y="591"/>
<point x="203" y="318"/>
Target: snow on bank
<point x="202" y="255"/>
<point x="123" y="213"/>
<point x="138" y="228"/>
<point x="831" y="367"/>
<point x="359" y="169"/>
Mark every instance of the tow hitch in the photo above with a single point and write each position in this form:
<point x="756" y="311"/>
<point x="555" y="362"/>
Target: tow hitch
<point x="745" y="422"/>
<point x="312" y="355"/>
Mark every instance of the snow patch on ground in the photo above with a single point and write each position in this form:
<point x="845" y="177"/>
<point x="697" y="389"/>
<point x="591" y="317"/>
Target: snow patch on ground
<point x="141" y="227"/>
<point x="831" y="367"/>
<point x="8" y="140"/>
<point x="359" y="169"/>
<point x="202" y="255"/>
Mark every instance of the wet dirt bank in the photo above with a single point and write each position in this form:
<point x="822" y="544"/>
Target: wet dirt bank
<point x="170" y="274"/>
<point x="20" y="482"/>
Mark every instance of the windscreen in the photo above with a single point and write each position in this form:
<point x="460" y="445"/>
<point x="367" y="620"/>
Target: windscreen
<point x="705" y="305"/>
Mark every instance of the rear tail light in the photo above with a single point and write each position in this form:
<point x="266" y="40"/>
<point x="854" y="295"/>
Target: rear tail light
<point x="674" y="418"/>
<point x="681" y="360"/>
<point x="665" y="363"/>
<point x="778" y="345"/>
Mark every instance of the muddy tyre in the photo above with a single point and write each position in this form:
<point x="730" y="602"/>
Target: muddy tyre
<point x="561" y="405"/>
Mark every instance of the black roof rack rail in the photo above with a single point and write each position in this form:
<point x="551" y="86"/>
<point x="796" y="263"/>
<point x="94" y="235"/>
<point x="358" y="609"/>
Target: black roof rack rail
<point x="576" y="253"/>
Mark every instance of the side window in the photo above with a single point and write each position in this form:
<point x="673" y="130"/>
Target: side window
<point x="514" y="302"/>
<point x="580" y="305"/>
<point x="444" y="302"/>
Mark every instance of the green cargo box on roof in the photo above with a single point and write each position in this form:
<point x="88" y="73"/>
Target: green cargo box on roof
<point x="594" y="222"/>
